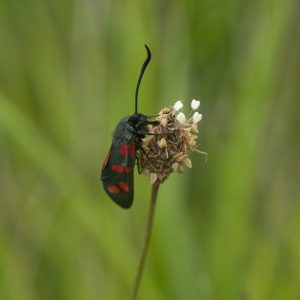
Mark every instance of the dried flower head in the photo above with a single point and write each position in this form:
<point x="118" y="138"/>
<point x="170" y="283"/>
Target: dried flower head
<point x="167" y="147"/>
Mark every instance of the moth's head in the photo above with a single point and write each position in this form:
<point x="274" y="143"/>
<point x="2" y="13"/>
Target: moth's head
<point x="137" y="119"/>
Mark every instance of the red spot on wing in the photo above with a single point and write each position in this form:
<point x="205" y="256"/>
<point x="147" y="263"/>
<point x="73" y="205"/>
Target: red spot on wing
<point x="117" y="168"/>
<point x="124" y="186"/>
<point x="107" y="158"/>
<point x="124" y="149"/>
<point x="112" y="189"/>
<point x="120" y="169"/>
<point x="127" y="170"/>
<point x="131" y="150"/>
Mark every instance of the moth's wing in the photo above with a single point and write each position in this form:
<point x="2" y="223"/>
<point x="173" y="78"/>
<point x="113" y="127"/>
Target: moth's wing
<point x="117" y="173"/>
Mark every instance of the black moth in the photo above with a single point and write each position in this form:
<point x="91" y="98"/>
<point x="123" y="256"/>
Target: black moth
<point x="118" y="166"/>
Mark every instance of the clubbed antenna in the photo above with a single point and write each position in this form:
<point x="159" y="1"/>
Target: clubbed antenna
<point x="145" y="64"/>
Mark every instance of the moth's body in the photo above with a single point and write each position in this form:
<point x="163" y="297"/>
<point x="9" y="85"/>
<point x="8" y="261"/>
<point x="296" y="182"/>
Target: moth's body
<point x="118" y="167"/>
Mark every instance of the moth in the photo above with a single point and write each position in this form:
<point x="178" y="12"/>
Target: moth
<point x="117" y="173"/>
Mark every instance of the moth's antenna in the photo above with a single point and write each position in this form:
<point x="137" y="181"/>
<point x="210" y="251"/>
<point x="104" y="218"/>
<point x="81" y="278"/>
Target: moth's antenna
<point x="145" y="64"/>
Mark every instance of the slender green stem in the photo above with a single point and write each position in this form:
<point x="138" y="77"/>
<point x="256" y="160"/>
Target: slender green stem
<point x="147" y="237"/>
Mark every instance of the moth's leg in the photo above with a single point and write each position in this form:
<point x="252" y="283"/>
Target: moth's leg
<point x="137" y="159"/>
<point x="148" y="159"/>
<point x="138" y="164"/>
<point x="151" y="117"/>
<point x="143" y="133"/>
<point x="155" y="123"/>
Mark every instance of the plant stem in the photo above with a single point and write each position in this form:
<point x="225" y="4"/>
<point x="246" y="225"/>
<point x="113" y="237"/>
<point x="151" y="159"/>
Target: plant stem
<point x="147" y="237"/>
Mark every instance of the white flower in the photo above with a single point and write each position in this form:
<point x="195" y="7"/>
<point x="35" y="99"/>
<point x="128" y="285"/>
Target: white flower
<point x="195" y="104"/>
<point x="178" y="105"/>
<point x="181" y="118"/>
<point x="197" y="117"/>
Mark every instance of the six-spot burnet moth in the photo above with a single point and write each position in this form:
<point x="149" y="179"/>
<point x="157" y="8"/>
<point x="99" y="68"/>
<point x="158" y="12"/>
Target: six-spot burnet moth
<point x="118" y="166"/>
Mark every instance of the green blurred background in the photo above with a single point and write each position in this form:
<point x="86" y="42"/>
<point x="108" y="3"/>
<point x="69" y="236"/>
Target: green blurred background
<point x="228" y="228"/>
